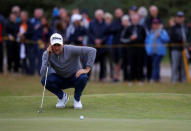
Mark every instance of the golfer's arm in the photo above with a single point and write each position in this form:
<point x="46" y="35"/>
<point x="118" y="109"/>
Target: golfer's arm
<point x="88" y="52"/>
<point x="91" y="54"/>
<point x="44" y="64"/>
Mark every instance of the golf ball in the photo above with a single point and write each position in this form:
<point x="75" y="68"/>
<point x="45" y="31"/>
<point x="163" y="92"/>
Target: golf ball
<point x="81" y="117"/>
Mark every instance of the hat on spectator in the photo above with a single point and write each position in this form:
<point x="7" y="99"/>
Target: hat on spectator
<point x="84" y="11"/>
<point x="156" y="21"/>
<point x="56" y="39"/>
<point x="76" y="17"/>
<point x="55" y="12"/>
<point x="133" y="8"/>
<point x="180" y="14"/>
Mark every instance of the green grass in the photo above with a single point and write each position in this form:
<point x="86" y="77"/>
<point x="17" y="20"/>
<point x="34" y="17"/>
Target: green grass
<point x="107" y="107"/>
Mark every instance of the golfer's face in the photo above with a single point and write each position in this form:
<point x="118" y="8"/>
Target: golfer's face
<point x="57" y="48"/>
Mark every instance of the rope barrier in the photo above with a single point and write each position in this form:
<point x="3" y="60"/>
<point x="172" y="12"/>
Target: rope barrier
<point x="42" y="44"/>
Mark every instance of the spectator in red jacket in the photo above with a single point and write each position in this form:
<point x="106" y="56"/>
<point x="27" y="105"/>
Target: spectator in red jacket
<point x="1" y="42"/>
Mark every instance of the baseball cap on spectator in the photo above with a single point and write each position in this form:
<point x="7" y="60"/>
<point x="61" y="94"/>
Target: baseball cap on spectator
<point x="133" y="8"/>
<point x="180" y="14"/>
<point x="56" y="39"/>
<point x="156" y="21"/>
<point x="85" y="12"/>
<point x="55" y="12"/>
<point x="76" y="17"/>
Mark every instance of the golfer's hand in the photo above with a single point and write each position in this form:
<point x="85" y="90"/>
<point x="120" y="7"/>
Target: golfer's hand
<point x="49" y="49"/>
<point x="82" y="71"/>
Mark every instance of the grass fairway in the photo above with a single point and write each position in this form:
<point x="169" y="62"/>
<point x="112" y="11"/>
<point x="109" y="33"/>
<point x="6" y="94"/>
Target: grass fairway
<point x="107" y="107"/>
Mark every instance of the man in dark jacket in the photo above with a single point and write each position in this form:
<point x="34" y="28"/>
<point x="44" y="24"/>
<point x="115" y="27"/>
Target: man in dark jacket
<point x="43" y="39"/>
<point x="34" y="49"/>
<point x="97" y="37"/>
<point x="13" y="47"/>
<point x="116" y="28"/>
<point x="178" y="37"/>
<point x="136" y="34"/>
<point x="153" y="10"/>
<point x="124" y="39"/>
<point x="25" y="36"/>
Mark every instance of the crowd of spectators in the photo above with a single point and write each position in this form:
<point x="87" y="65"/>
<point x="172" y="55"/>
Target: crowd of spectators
<point x="134" y="41"/>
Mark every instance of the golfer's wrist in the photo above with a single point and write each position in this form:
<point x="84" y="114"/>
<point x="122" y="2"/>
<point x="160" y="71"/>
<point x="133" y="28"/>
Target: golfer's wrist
<point x="87" y="70"/>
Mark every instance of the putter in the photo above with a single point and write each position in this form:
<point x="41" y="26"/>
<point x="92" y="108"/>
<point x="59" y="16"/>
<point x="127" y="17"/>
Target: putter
<point x="43" y="94"/>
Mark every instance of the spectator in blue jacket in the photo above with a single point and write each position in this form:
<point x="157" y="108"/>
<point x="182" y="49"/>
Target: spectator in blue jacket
<point x="156" y="41"/>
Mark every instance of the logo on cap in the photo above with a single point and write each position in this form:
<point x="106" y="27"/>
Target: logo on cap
<point x="56" y="38"/>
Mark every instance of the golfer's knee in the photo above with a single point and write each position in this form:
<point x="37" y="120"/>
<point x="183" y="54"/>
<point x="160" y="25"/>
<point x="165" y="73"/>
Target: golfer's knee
<point x="83" y="78"/>
<point x="48" y="81"/>
<point x="43" y="80"/>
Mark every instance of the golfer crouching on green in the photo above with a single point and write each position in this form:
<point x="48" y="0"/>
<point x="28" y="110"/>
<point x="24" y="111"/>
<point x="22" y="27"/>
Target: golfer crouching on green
<point x="68" y="72"/>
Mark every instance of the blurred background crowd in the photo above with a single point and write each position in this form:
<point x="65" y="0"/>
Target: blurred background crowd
<point x="129" y="43"/>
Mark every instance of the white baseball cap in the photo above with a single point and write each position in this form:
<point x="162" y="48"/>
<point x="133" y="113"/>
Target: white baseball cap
<point x="76" y="17"/>
<point x="56" y="39"/>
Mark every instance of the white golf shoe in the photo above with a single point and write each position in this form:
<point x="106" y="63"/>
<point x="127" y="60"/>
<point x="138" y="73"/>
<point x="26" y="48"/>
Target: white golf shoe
<point x="62" y="102"/>
<point x="77" y="104"/>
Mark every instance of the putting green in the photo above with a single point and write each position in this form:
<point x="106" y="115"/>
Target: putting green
<point x="92" y="124"/>
<point x="107" y="107"/>
<point x="129" y="111"/>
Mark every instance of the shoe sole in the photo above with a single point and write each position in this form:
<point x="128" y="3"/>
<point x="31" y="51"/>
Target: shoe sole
<point x="64" y="103"/>
<point x="78" y="108"/>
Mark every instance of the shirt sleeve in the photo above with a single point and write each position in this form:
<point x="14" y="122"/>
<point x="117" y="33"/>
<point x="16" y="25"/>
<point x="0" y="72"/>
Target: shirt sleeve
<point x="84" y="51"/>
<point x="44" y="64"/>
